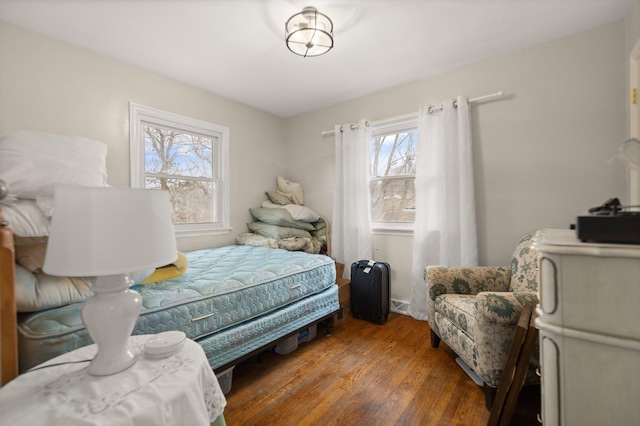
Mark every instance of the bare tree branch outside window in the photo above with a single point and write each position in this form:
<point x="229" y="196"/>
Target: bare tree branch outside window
<point x="393" y="168"/>
<point x="183" y="165"/>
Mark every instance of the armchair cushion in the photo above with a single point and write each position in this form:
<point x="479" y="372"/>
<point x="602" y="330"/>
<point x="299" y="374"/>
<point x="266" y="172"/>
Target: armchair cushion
<point x="463" y="280"/>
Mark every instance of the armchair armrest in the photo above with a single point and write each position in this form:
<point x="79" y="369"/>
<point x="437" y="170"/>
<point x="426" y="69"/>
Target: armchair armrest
<point x="502" y="308"/>
<point x="497" y="314"/>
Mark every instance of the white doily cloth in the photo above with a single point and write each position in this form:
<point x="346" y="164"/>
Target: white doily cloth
<point x="178" y="390"/>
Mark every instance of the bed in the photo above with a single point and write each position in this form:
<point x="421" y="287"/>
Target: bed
<point x="235" y="301"/>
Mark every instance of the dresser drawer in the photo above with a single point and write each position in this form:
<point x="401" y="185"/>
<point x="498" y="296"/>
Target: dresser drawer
<point x="588" y="379"/>
<point x="591" y="293"/>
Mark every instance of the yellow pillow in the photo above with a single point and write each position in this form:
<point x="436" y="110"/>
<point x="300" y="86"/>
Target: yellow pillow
<point x="171" y="270"/>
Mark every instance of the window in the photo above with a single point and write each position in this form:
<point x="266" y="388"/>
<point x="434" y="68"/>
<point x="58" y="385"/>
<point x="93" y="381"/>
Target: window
<point x="188" y="158"/>
<point x="393" y="170"/>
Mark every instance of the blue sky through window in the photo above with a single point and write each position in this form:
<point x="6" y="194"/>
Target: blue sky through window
<point x="395" y="154"/>
<point x="177" y="154"/>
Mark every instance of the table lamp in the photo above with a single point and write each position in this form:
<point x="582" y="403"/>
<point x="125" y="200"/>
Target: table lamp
<point x="108" y="233"/>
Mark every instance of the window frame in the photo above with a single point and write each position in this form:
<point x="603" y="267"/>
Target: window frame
<point x="139" y="116"/>
<point x="387" y="227"/>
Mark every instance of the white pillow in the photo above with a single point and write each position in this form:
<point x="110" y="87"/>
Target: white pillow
<point x="302" y="213"/>
<point x="32" y="163"/>
<point x="291" y="190"/>
<point x="36" y="292"/>
<point x="25" y="218"/>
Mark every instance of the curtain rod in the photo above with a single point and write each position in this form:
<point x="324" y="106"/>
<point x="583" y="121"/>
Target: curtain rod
<point x="496" y="95"/>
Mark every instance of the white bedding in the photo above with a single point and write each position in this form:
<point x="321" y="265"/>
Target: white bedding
<point x="32" y="163"/>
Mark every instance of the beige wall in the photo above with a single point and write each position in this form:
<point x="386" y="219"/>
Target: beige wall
<point x="53" y="87"/>
<point x="632" y="21"/>
<point x="541" y="154"/>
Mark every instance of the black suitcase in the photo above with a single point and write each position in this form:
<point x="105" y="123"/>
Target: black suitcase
<point x="370" y="290"/>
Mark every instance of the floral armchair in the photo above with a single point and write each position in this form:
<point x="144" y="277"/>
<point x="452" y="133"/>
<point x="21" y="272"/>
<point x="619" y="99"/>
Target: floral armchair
<point x="475" y="311"/>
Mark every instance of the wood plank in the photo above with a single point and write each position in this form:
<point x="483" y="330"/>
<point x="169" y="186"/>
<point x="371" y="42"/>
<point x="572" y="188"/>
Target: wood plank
<point x="8" y="310"/>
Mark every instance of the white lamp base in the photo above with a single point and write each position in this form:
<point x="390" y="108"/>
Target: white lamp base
<point x="109" y="316"/>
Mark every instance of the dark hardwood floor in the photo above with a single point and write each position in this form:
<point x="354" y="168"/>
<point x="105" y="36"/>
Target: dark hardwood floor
<point x="362" y="374"/>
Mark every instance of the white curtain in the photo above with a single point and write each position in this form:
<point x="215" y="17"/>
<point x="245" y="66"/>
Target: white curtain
<point x="351" y="228"/>
<point x="445" y="223"/>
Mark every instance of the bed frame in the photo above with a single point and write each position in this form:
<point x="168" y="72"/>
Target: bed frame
<point x="8" y="310"/>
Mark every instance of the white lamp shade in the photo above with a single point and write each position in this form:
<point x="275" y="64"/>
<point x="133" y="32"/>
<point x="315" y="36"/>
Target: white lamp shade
<point x="107" y="231"/>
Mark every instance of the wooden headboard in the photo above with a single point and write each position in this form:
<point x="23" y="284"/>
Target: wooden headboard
<point x="8" y="314"/>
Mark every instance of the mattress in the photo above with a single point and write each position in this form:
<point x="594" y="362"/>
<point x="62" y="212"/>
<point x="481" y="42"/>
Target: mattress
<point x="222" y="288"/>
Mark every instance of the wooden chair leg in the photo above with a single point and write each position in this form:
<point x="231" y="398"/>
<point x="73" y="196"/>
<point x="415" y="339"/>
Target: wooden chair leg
<point x="489" y="395"/>
<point x="435" y="339"/>
<point x="520" y="373"/>
<point x="515" y="369"/>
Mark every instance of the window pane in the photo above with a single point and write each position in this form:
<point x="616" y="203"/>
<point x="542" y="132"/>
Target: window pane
<point x="176" y="153"/>
<point x="394" y="155"/>
<point x="187" y="157"/>
<point x="192" y="200"/>
<point x="393" y="200"/>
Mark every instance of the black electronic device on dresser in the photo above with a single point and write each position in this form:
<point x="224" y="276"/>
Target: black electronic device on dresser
<point x="609" y="223"/>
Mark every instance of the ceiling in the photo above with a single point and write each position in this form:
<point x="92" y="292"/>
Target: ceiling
<point x="235" y="48"/>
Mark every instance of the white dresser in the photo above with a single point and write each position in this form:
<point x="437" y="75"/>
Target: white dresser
<point x="589" y="323"/>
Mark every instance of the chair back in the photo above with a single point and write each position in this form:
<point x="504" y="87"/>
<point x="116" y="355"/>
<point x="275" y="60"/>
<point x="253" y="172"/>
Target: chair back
<point x="524" y="266"/>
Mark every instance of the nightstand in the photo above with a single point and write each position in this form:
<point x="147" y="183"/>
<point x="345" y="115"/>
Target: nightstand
<point x="177" y="390"/>
<point x="344" y="295"/>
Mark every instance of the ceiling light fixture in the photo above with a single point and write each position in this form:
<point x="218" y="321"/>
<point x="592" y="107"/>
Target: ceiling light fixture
<point x="309" y="33"/>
